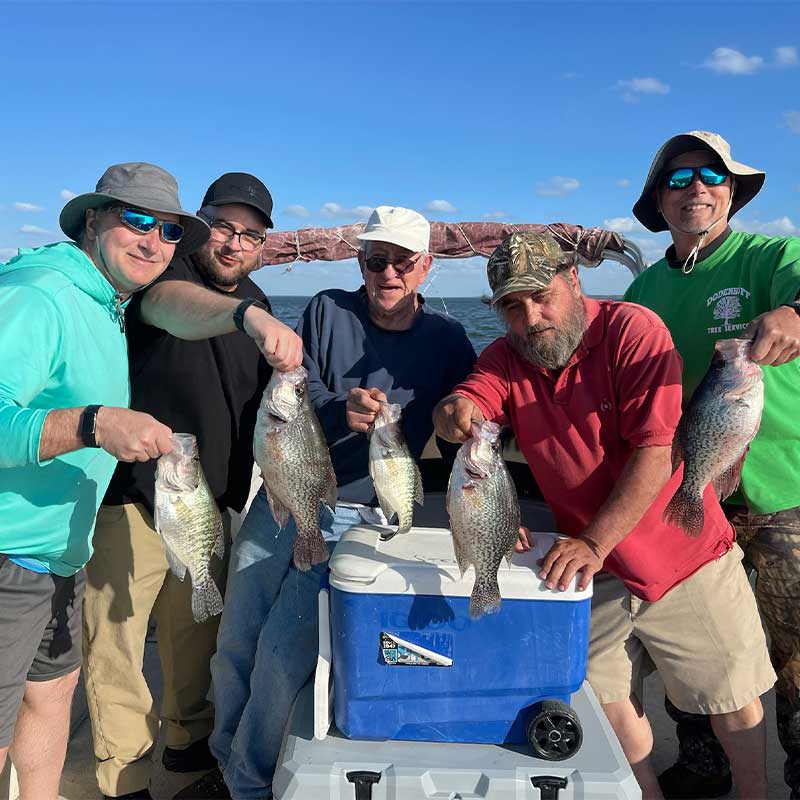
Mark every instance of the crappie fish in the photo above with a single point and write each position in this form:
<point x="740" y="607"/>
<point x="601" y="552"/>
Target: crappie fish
<point x="714" y="432"/>
<point x="394" y="472"/>
<point x="484" y="514"/>
<point x="289" y="447"/>
<point x="188" y="519"/>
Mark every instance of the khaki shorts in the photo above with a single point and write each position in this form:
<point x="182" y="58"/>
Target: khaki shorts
<point x="704" y="637"/>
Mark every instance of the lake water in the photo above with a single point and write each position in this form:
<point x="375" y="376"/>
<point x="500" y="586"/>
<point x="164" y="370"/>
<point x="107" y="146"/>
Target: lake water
<point x="478" y="319"/>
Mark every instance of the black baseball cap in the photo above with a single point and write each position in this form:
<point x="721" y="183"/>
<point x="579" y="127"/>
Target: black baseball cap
<point x="239" y="187"/>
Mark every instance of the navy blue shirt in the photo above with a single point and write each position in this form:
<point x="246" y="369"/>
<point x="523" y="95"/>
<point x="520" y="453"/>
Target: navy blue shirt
<point x="343" y="349"/>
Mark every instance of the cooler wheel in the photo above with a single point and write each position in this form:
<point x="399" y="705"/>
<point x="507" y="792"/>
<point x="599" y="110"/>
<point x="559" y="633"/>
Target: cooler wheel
<point x="555" y="731"/>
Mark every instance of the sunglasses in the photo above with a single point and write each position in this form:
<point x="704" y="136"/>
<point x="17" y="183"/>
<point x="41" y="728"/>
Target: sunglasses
<point x="142" y="222"/>
<point x="379" y="264"/>
<point x="681" y="177"/>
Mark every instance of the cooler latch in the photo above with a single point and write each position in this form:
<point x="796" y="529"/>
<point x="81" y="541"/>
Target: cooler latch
<point x="364" y="781"/>
<point x="549" y="786"/>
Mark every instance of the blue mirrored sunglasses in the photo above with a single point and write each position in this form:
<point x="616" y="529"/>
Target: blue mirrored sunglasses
<point x="681" y="177"/>
<point x="142" y="222"/>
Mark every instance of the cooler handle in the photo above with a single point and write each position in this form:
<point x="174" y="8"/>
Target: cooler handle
<point x="364" y="781"/>
<point x="549" y="786"/>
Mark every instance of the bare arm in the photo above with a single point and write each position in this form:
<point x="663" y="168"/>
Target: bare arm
<point x="127" y="435"/>
<point x="192" y="312"/>
<point x="639" y="483"/>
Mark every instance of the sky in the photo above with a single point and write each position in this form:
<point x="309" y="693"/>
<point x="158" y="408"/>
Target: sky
<point x="467" y="111"/>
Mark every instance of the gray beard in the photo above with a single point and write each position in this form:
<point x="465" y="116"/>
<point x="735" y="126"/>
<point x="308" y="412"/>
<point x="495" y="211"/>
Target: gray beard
<point x="218" y="275"/>
<point x="552" y="353"/>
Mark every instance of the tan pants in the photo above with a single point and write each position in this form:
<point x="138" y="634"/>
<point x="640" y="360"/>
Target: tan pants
<point x="127" y="579"/>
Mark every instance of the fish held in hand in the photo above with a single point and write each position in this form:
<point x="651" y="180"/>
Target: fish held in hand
<point x="289" y="447"/>
<point x="394" y="472"/>
<point x="189" y="522"/>
<point x="484" y="514"/>
<point x="716" y="428"/>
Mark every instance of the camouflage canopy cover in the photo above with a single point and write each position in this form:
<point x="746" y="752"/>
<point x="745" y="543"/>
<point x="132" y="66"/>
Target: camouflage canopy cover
<point x="448" y="240"/>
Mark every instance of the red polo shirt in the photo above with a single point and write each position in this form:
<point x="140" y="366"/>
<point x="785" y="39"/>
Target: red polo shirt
<point x="621" y="389"/>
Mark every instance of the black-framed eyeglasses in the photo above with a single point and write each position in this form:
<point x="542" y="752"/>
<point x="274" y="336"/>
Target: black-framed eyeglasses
<point x="681" y="177"/>
<point x="401" y="267"/>
<point x="143" y="222"/>
<point x="222" y="231"/>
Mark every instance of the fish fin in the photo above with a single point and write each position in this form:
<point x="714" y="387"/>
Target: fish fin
<point x="175" y="564"/>
<point x="485" y="597"/>
<point x="725" y="484"/>
<point x="388" y="534"/>
<point x="678" y="453"/>
<point x="332" y="493"/>
<point x="309" y="545"/>
<point x="206" y="600"/>
<point x="279" y="511"/>
<point x="219" y="540"/>
<point x="461" y="557"/>
<point x="685" y="511"/>
<point x="419" y="492"/>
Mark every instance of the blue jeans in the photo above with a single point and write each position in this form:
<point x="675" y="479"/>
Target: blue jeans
<point x="266" y="646"/>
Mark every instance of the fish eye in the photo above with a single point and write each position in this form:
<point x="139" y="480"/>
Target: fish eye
<point x="299" y="390"/>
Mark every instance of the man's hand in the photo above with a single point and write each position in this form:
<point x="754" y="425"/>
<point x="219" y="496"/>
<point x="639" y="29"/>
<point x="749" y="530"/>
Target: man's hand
<point x="281" y="346"/>
<point x="131" y="435"/>
<point x="566" y="558"/>
<point x="452" y="418"/>
<point x="524" y="541"/>
<point x="776" y="336"/>
<point x="362" y="407"/>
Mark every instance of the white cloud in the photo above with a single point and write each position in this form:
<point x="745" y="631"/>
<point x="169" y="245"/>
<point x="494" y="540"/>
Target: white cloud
<point x="791" y="119"/>
<point x="497" y="214"/>
<point x="67" y="194"/>
<point x="782" y="226"/>
<point x="27" y="207"/>
<point x="786" y="56"/>
<point x="334" y="210"/>
<point x="623" y="183"/>
<point x="558" y="186"/>
<point x="35" y="230"/>
<point x="727" y="61"/>
<point x="568" y="76"/>
<point x="623" y="224"/>
<point x="633" y="89"/>
<point x="296" y="211"/>
<point x="440" y="207"/>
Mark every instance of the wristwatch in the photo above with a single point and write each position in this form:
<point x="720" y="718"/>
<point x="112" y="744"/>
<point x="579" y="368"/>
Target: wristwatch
<point x="238" y="314"/>
<point x="89" y="426"/>
<point x="795" y="305"/>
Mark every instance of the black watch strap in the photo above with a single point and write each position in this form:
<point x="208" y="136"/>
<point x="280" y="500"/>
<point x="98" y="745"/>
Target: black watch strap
<point x="89" y="426"/>
<point x="795" y="305"/>
<point x="238" y="314"/>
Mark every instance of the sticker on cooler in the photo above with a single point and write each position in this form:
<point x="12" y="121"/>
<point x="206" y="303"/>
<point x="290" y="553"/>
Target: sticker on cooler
<point x="398" y="652"/>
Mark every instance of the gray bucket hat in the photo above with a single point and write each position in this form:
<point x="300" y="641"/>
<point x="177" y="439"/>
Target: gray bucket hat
<point x="525" y="261"/>
<point x="144" y="186"/>
<point x="748" y="180"/>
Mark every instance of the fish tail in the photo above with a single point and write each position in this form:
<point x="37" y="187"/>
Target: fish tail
<point x="485" y="597"/>
<point x="206" y="600"/>
<point x="685" y="511"/>
<point x="309" y="548"/>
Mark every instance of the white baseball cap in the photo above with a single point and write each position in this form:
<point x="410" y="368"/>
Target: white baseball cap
<point x="400" y="226"/>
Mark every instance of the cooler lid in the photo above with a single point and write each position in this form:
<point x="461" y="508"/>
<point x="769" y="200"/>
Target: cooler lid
<point x="423" y="561"/>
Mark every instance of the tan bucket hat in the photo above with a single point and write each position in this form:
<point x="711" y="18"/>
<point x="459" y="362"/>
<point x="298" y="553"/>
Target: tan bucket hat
<point x="525" y="261"/>
<point x="748" y="180"/>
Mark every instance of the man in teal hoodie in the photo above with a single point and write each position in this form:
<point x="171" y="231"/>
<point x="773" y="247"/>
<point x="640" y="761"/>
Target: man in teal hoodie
<point x="64" y="422"/>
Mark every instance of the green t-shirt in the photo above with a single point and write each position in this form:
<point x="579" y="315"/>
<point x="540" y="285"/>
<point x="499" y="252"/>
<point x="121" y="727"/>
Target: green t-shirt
<point x="745" y="276"/>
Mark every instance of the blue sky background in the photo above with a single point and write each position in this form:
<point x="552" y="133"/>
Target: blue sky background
<point x="524" y="112"/>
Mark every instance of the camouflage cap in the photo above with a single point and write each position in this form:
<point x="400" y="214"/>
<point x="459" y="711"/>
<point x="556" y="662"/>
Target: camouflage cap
<point x="525" y="261"/>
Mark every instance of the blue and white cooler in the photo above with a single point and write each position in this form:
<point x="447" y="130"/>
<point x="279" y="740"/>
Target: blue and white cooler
<point x="409" y="663"/>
